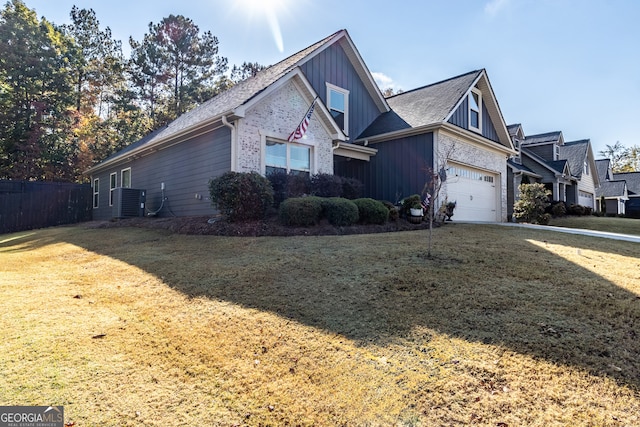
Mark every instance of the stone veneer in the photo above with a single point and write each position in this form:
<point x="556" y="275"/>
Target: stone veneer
<point x="469" y="154"/>
<point x="276" y="116"/>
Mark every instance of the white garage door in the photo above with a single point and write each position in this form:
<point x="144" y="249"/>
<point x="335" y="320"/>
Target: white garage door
<point x="585" y="199"/>
<point x="474" y="192"/>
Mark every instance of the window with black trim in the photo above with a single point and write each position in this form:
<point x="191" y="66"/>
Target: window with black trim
<point x="282" y="156"/>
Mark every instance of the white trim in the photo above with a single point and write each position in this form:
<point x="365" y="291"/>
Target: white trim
<point x="313" y="154"/>
<point x="96" y="193"/>
<point x="470" y="109"/>
<point x="333" y="88"/>
<point x="122" y="177"/>
<point x="115" y="185"/>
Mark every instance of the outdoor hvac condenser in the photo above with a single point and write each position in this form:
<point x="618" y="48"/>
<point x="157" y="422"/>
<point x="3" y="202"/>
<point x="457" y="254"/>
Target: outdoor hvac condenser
<point x="128" y="202"/>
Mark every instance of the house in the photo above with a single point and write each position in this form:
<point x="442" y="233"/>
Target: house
<point x="612" y="194"/>
<point x="354" y="131"/>
<point x="632" y="180"/>
<point x="516" y="171"/>
<point x="567" y="169"/>
<point x="453" y="126"/>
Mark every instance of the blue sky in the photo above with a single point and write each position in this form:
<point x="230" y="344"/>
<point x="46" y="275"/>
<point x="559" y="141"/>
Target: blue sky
<point x="568" y="65"/>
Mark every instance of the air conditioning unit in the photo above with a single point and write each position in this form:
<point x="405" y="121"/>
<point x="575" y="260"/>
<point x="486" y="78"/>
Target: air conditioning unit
<point x="128" y="202"/>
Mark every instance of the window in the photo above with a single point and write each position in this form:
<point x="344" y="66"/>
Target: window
<point x="556" y="152"/>
<point x="96" y="192"/>
<point x="338" y="103"/>
<point x="475" y="110"/>
<point x="586" y="168"/>
<point x="125" y="178"/>
<point x="287" y="157"/>
<point x="112" y="186"/>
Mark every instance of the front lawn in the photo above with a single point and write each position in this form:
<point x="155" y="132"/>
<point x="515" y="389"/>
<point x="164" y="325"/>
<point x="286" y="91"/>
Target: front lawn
<point x="608" y="224"/>
<point x="503" y="326"/>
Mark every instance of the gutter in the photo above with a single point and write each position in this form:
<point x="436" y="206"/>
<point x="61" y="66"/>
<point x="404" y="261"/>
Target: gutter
<point x="233" y="128"/>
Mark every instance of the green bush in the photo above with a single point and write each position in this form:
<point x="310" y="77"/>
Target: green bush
<point x="351" y="188"/>
<point x="394" y="212"/>
<point x="300" y="211"/>
<point x="326" y="185"/>
<point x="371" y="211"/>
<point x="558" y="209"/>
<point x="412" y="201"/>
<point x="241" y="196"/>
<point x="576" y="210"/>
<point x="286" y="185"/>
<point x="340" y="212"/>
<point x="534" y="199"/>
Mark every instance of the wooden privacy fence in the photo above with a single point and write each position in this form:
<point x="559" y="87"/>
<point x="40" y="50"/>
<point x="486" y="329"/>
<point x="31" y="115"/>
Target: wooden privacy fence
<point x="25" y="205"/>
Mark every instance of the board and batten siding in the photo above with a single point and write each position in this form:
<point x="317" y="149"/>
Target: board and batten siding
<point x="399" y="169"/>
<point x="184" y="168"/>
<point x="460" y="118"/>
<point x="333" y="66"/>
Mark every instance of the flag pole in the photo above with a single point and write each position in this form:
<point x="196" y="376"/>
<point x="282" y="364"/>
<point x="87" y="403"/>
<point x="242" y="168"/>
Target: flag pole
<point x="303" y="118"/>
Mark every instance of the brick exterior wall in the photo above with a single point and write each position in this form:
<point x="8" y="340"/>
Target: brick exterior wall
<point x="276" y="116"/>
<point x="473" y="155"/>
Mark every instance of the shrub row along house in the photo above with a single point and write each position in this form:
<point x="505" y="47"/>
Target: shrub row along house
<point x="392" y="145"/>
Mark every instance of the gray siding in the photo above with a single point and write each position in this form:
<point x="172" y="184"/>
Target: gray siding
<point x="400" y="168"/>
<point x="460" y="118"/>
<point x="185" y="169"/>
<point x="333" y="66"/>
<point x="544" y="151"/>
<point x="547" y="175"/>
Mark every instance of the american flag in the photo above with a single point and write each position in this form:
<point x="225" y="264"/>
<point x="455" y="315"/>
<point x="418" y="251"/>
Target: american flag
<point x="304" y="124"/>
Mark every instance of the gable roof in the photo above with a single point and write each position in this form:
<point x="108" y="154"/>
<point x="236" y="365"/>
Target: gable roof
<point x="434" y="104"/>
<point x="423" y="106"/>
<point x="543" y="138"/>
<point x="633" y="181"/>
<point x="514" y="129"/>
<point x="517" y="167"/>
<point x="234" y="101"/>
<point x="612" y="189"/>
<point x="558" y="167"/>
<point x="575" y="153"/>
<point x="602" y="165"/>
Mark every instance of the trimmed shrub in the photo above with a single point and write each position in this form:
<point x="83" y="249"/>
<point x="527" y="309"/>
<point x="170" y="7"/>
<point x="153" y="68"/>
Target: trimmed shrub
<point x="286" y="185"/>
<point x="558" y="209"/>
<point x="241" y="196"/>
<point x="326" y="185"/>
<point x="576" y="210"/>
<point x="371" y="211"/>
<point x="544" y="219"/>
<point x="340" y="212"/>
<point x="394" y="212"/>
<point x="351" y="188"/>
<point x="300" y="211"/>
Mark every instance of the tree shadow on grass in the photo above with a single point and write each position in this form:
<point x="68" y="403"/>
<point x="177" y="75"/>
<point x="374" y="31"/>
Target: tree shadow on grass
<point x="485" y="284"/>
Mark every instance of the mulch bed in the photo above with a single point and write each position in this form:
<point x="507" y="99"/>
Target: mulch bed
<point x="218" y="226"/>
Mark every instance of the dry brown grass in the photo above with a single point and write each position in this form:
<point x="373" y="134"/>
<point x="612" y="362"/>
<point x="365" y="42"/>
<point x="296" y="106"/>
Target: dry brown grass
<point x="143" y="327"/>
<point x="609" y="224"/>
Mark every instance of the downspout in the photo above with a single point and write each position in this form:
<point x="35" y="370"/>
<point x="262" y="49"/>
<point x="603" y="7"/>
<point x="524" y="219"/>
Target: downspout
<point x="231" y="126"/>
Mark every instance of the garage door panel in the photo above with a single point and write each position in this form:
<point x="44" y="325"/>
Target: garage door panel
<point x="474" y="192"/>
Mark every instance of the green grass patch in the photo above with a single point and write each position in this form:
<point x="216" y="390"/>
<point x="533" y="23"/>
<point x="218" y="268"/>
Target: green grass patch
<point x="502" y="326"/>
<point x="607" y="224"/>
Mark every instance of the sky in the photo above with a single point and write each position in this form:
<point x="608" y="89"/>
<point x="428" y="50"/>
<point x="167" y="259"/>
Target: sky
<point x="554" y="65"/>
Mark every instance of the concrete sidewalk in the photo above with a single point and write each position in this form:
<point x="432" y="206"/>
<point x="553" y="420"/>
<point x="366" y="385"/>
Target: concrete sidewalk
<point x="615" y="236"/>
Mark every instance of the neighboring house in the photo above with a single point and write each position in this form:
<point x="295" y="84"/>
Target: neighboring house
<point x="567" y="169"/>
<point x="354" y="131"/>
<point x="632" y="179"/>
<point x="613" y="193"/>
<point x="516" y="171"/>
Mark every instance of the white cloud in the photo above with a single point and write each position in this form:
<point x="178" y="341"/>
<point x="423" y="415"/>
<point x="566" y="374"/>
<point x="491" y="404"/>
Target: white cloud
<point x="384" y="81"/>
<point x="495" y="6"/>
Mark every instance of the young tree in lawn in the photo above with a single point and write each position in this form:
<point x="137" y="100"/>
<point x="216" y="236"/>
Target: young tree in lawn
<point x="436" y="177"/>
